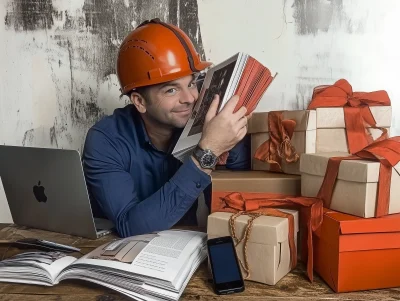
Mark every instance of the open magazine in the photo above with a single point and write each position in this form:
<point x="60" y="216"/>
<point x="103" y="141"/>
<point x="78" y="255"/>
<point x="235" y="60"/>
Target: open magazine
<point x="154" y="266"/>
<point x="240" y="75"/>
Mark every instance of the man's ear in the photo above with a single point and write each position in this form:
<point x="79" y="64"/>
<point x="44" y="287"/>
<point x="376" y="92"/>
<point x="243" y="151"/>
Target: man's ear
<point x="139" y="102"/>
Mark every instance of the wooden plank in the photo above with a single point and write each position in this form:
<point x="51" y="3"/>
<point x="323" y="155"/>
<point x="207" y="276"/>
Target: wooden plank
<point x="72" y="297"/>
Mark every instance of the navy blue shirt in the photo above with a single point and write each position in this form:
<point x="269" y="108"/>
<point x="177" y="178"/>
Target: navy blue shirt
<point x="139" y="188"/>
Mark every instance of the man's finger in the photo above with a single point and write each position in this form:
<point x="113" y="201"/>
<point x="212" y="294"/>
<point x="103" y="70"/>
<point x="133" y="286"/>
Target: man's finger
<point x="242" y="122"/>
<point x="240" y="113"/>
<point x="231" y="104"/>
<point x="212" y="111"/>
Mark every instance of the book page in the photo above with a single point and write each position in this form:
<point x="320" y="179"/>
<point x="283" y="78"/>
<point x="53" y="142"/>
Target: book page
<point x="158" y="255"/>
<point x="161" y="251"/>
<point x="166" y="256"/>
<point x="28" y="263"/>
<point x="141" y="289"/>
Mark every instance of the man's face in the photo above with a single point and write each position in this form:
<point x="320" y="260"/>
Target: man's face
<point x="171" y="103"/>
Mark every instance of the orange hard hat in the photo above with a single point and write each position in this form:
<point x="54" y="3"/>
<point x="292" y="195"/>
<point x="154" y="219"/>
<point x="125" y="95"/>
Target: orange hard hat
<point x="156" y="52"/>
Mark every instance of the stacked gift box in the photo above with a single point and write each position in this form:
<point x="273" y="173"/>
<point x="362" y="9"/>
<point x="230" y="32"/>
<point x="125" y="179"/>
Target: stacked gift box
<point x="324" y="180"/>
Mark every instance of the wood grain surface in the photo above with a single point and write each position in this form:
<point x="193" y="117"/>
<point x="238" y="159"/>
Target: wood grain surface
<point x="294" y="286"/>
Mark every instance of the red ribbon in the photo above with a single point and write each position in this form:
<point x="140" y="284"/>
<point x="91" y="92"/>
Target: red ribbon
<point x="357" y="113"/>
<point x="278" y="146"/>
<point x="387" y="152"/>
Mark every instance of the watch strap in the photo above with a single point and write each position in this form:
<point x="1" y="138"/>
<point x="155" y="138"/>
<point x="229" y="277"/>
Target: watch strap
<point x="198" y="153"/>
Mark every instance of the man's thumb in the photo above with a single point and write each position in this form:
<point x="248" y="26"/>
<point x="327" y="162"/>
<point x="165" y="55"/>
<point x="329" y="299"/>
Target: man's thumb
<point x="212" y="111"/>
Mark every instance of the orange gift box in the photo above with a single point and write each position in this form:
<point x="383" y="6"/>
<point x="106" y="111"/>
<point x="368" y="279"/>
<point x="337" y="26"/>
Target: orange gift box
<point x="353" y="253"/>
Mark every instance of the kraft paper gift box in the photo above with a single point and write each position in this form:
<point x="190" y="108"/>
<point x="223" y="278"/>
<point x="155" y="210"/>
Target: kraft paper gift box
<point x="268" y="249"/>
<point x="255" y="181"/>
<point x="347" y="119"/>
<point x="356" y="187"/>
<point x="259" y="192"/>
<point x="331" y="128"/>
<point x="353" y="253"/>
<point x="303" y="139"/>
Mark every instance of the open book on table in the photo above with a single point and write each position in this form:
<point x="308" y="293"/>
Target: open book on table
<point x="154" y="266"/>
<point x="240" y="75"/>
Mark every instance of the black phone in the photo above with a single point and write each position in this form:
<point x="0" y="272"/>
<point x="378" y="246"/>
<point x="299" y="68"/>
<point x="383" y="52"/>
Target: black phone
<point x="225" y="269"/>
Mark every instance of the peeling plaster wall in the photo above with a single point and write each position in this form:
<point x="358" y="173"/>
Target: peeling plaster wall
<point x="58" y="63"/>
<point x="57" y="57"/>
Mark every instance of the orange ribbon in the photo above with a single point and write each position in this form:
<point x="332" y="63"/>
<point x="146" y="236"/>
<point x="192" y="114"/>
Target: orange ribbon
<point x="387" y="152"/>
<point x="311" y="210"/>
<point x="357" y="114"/>
<point x="278" y="146"/>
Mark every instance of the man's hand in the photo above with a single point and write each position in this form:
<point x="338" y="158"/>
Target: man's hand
<point x="223" y="131"/>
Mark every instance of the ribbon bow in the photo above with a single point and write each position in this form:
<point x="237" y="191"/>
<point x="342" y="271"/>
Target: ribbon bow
<point x="387" y="152"/>
<point x="357" y="113"/>
<point x="278" y="146"/>
<point x="259" y="204"/>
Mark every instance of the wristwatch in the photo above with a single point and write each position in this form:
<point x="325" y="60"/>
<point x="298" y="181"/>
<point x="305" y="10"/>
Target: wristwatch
<point x="205" y="157"/>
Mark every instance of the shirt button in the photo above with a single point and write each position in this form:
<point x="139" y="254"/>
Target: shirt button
<point x="198" y="185"/>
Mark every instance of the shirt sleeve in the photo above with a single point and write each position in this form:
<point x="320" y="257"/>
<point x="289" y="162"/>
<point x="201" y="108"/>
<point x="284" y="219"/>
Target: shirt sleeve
<point x="112" y="187"/>
<point x="239" y="156"/>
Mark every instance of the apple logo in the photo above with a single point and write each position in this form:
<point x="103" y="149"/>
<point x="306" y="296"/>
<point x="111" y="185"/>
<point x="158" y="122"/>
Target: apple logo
<point x="38" y="191"/>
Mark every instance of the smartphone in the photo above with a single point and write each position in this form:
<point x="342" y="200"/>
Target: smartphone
<point x="224" y="264"/>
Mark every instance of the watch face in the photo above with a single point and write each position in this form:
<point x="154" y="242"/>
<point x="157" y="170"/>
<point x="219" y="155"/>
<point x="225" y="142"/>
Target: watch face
<point x="208" y="160"/>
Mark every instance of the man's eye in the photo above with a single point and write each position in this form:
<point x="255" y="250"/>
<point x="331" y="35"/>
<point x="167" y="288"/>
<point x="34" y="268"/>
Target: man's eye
<point x="192" y="85"/>
<point x="171" y="91"/>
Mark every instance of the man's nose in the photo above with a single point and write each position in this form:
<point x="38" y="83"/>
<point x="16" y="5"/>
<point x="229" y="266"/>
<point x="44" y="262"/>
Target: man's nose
<point x="189" y="96"/>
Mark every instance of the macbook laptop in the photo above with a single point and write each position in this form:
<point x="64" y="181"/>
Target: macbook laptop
<point x="46" y="189"/>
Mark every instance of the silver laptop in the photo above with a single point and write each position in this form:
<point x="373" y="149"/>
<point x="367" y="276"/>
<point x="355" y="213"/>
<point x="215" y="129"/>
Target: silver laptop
<point x="46" y="189"/>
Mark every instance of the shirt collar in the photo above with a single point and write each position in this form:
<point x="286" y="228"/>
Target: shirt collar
<point x="144" y="138"/>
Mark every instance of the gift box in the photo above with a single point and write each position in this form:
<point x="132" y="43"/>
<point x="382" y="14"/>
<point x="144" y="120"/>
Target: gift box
<point x="268" y="132"/>
<point x="259" y="193"/>
<point x="255" y="181"/>
<point x="353" y="253"/>
<point x="356" y="188"/>
<point x="267" y="250"/>
<point x="331" y="129"/>
<point x="340" y="110"/>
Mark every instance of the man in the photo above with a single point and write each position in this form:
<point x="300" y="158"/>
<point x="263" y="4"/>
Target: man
<point x="132" y="178"/>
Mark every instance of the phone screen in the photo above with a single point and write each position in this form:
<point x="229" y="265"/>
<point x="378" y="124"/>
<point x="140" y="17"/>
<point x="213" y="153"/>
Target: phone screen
<point x="224" y="263"/>
<point x="225" y="267"/>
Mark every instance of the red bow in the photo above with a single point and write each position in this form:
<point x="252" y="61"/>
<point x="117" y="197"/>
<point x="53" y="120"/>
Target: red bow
<point x="278" y="146"/>
<point x="357" y="113"/>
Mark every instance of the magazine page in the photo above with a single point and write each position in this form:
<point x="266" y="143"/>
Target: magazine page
<point x="221" y="80"/>
<point x="33" y="267"/>
<point x="138" y="289"/>
<point x="158" y="255"/>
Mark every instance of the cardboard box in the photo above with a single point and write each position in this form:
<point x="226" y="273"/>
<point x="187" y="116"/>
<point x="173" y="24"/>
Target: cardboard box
<point x="331" y="118"/>
<point x="303" y="138"/>
<point x="255" y="181"/>
<point x="352" y="253"/>
<point x="355" y="191"/>
<point x="331" y="132"/>
<point x="268" y="249"/>
<point x="335" y="140"/>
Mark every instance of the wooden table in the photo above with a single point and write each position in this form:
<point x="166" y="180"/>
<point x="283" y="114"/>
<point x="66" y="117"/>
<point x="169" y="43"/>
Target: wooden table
<point x="294" y="286"/>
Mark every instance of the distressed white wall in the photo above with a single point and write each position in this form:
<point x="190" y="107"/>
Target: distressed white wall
<point x="309" y="42"/>
<point x="57" y="78"/>
<point x="58" y="58"/>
